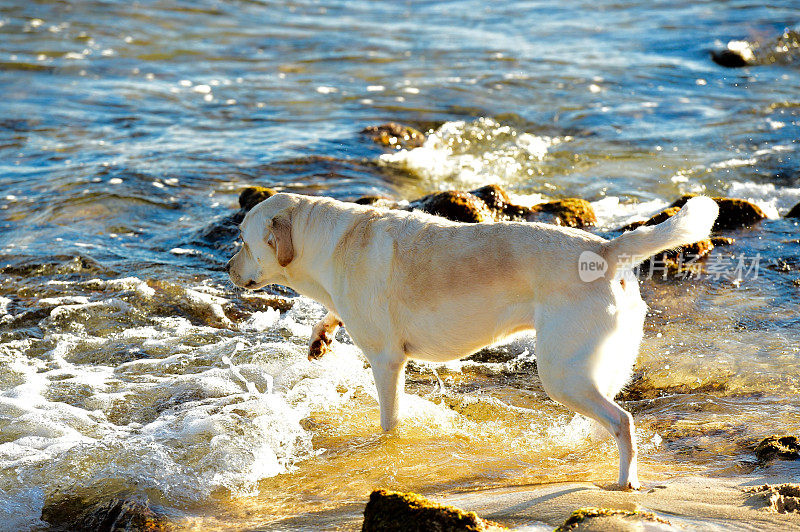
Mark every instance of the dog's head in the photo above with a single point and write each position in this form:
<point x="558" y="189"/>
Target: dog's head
<point x="267" y="248"/>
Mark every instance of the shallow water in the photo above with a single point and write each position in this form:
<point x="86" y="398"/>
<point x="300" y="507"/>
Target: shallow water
<point x="131" y="367"/>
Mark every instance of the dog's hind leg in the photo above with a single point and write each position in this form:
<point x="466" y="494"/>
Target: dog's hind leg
<point x="322" y="335"/>
<point x="390" y="379"/>
<point x="578" y="352"/>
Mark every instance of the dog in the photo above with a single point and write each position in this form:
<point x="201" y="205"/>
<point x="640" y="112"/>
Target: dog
<point x="412" y="285"/>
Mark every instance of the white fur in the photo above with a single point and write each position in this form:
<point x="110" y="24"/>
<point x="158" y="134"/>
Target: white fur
<point x="410" y="285"/>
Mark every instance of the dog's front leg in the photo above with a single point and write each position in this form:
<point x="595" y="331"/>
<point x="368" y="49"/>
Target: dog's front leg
<point x="390" y="379"/>
<point x="322" y="335"/>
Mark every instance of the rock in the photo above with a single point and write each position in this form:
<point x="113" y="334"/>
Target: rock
<point x="784" y="50"/>
<point x="729" y="58"/>
<point x="455" y="205"/>
<point x="772" y="447"/>
<point x="794" y="212"/>
<point x="780" y="498"/>
<point x="681" y="260"/>
<point x="722" y="241"/>
<point x="654" y="220"/>
<point x="389" y="511"/>
<point x="377" y="201"/>
<point x="260" y="301"/>
<point x="572" y="212"/>
<point x="733" y="213"/>
<point x="252" y="196"/>
<point x="114" y="515"/>
<point x="497" y="200"/>
<point x="610" y="519"/>
<point x="395" y="135"/>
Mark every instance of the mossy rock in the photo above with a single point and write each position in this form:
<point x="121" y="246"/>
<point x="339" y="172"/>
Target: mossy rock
<point x="794" y="212"/>
<point x="677" y="260"/>
<point x="395" y="135"/>
<point x="497" y="200"/>
<point x="680" y="260"/>
<point x="112" y="515"/>
<point x="455" y="205"/>
<point x="733" y="213"/>
<point x="772" y="447"/>
<point x="390" y="511"/>
<point x="377" y="201"/>
<point x="583" y="516"/>
<point x="571" y="212"/>
<point x="252" y="196"/>
<point x="656" y="219"/>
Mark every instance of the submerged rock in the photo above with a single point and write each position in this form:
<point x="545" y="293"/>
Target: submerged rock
<point x="733" y="213"/>
<point x="794" y="212"/>
<point x="252" y="196"/>
<point x="455" y="205"/>
<point x="395" y="135"/>
<point x="389" y="511"/>
<point x="611" y="519"/>
<point x="780" y="498"/>
<point x="772" y="447"/>
<point x="113" y="515"/>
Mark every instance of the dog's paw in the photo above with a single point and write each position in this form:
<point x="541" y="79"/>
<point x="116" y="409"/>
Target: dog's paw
<point x="633" y="485"/>
<point x="319" y="347"/>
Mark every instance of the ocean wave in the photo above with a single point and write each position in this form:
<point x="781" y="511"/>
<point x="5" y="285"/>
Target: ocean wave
<point x="474" y="153"/>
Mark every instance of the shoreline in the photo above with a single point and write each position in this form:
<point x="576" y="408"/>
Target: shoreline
<point x="687" y="502"/>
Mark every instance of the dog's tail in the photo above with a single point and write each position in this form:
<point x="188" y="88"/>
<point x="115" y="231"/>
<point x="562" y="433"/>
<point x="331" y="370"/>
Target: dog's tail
<point x="691" y="224"/>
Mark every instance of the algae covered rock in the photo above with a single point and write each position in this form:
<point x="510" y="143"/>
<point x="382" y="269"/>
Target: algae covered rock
<point x="611" y="519"/>
<point x="392" y="511"/>
<point x="733" y="213"/>
<point x="772" y="447"/>
<point x="395" y="135"/>
<point x="653" y="220"/>
<point x="377" y="201"/>
<point x="252" y="196"/>
<point x="681" y="260"/>
<point x="455" y="205"/>
<point x="497" y="200"/>
<point x="571" y="212"/>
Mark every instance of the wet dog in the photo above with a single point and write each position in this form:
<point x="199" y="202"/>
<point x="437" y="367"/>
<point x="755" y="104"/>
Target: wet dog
<point x="412" y="285"/>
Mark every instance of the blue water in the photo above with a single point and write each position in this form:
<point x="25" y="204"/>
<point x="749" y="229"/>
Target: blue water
<point x="127" y="131"/>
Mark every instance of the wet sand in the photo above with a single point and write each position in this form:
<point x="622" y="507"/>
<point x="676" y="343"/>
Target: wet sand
<point x="686" y="502"/>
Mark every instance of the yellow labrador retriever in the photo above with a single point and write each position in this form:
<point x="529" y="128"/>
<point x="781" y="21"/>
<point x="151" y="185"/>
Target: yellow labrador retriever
<point x="412" y="285"/>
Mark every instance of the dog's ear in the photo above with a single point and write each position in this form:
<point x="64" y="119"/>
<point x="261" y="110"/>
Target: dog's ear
<point x="280" y="238"/>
